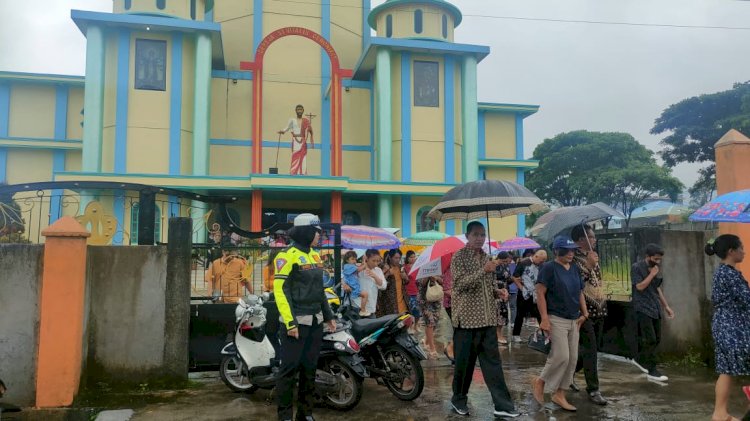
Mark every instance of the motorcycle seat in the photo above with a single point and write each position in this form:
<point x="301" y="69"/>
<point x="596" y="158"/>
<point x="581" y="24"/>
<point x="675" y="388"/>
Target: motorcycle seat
<point x="364" y="327"/>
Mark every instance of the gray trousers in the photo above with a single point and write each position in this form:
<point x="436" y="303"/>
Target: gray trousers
<point x="561" y="361"/>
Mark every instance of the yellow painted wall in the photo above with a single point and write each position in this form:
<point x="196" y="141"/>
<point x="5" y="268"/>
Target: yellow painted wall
<point x="500" y="136"/>
<point x="356" y="165"/>
<point x="75" y="118"/>
<point x="355" y="117"/>
<point x="395" y="212"/>
<point x="292" y="204"/>
<point x="148" y="117"/>
<point x="403" y="22"/>
<point x="156" y="142"/>
<point x="28" y="166"/>
<point x="229" y="160"/>
<point x="73" y="161"/>
<point x="231" y="109"/>
<point x="346" y="31"/>
<point x="428" y="131"/>
<point x="32" y="111"/>
<point x="236" y="19"/>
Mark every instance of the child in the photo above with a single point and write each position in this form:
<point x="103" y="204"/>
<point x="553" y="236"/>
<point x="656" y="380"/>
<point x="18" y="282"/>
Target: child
<point x="351" y="270"/>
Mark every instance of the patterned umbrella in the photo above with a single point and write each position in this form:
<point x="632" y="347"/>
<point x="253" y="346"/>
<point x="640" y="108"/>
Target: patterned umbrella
<point x="486" y="199"/>
<point x="445" y="247"/>
<point x="425" y="238"/>
<point x="518" y="243"/>
<point x="730" y="207"/>
<point x="364" y="237"/>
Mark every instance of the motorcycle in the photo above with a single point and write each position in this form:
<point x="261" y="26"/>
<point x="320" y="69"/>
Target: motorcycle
<point x="249" y="362"/>
<point x="392" y="355"/>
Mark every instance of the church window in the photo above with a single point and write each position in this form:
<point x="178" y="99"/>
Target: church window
<point x="161" y="4"/>
<point x="418" y="21"/>
<point x="445" y="26"/>
<point x="128" y="4"/>
<point x="388" y="26"/>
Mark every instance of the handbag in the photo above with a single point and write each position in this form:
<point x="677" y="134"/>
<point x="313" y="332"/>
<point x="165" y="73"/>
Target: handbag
<point x="434" y="292"/>
<point x="540" y="341"/>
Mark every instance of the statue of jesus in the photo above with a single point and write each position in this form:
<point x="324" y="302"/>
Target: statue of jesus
<point x="300" y="127"/>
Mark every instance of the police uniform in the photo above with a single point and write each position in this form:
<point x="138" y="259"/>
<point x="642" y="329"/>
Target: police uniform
<point x="300" y="298"/>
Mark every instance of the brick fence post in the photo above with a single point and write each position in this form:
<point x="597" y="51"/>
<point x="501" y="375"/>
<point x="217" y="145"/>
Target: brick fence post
<point x="61" y="313"/>
<point x="733" y="173"/>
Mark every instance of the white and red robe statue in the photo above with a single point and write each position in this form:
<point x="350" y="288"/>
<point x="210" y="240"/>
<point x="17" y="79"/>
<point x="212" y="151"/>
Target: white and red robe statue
<point x="300" y="128"/>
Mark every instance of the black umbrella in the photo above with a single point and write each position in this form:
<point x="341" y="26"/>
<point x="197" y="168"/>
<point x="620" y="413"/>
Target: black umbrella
<point x="486" y="199"/>
<point x="561" y="219"/>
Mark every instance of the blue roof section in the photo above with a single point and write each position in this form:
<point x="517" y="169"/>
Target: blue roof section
<point x="453" y="10"/>
<point x="366" y="62"/>
<point x="142" y="22"/>
<point x="496" y="107"/>
<point x="42" y="78"/>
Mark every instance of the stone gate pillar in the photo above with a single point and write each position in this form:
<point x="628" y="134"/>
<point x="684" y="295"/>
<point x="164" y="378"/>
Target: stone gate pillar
<point x="733" y="173"/>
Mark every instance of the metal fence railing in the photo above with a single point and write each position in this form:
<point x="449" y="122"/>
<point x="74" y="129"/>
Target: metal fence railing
<point x="616" y="255"/>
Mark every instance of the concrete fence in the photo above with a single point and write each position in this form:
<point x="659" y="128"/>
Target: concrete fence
<point x="125" y="320"/>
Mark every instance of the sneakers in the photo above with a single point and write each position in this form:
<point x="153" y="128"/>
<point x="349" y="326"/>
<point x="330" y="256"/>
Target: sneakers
<point x="506" y="414"/>
<point x="640" y="367"/>
<point x="517" y="339"/>
<point x="364" y="313"/>
<point x="597" y="398"/>
<point x="460" y="409"/>
<point x="655" y="375"/>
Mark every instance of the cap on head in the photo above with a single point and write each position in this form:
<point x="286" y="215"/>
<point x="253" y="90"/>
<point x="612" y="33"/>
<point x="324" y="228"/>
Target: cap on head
<point x="564" y="242"/>
<point x="307" y="219"/>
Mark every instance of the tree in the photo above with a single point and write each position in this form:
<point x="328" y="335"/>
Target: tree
<point x="695" y="124"/>
<point x="582" y="167"/>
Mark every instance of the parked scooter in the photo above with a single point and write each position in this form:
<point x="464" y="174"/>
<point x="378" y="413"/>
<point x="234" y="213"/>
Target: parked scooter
<point x="250" y="362"/>
<point x="392" y="355"/>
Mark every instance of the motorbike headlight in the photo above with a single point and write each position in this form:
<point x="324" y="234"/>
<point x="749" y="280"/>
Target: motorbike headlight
<point x="339" y="346"/>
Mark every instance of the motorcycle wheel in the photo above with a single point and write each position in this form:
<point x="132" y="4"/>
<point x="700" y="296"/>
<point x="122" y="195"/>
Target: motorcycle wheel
<point x="234" y="375"/>
<point x="407" y="370"/>
<point x="350" y="386"/>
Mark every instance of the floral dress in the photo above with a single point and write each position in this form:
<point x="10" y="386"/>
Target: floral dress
<point x="430" y="309"/>
<point x="731" y="322"/>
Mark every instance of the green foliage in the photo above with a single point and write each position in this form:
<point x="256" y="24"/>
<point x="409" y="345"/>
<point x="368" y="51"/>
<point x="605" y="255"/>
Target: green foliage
<point x="694" y="125"/>
<point x="582" y="167"/>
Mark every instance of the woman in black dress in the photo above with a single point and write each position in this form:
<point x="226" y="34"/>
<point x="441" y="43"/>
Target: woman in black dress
<point x="730" y="295"/>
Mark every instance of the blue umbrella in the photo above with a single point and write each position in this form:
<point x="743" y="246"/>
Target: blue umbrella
<point x="730" y="207"/>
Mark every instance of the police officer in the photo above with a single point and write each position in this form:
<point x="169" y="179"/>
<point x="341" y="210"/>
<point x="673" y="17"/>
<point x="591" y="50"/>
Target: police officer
<point x="301" y="300"/>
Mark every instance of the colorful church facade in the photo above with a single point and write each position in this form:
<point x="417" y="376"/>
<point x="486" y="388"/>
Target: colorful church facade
<point x="192" y="94"/>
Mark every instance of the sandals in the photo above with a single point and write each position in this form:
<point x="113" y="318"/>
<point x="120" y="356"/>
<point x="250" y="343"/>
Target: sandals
<point x="445" y="352"/>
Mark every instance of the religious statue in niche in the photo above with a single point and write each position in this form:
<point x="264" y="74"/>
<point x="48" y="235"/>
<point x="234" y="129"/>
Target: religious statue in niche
<point x="151" y="64"/>
<point x="301" y="129"/>
<point x="426" y="84"/>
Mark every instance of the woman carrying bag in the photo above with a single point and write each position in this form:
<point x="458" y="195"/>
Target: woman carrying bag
<point x="430" y="302"/>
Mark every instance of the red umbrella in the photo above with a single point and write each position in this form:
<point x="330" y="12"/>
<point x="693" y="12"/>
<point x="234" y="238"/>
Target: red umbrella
<point x="444" y="247"/>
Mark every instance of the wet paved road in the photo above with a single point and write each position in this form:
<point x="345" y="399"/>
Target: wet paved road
<point x="687" y="396"/>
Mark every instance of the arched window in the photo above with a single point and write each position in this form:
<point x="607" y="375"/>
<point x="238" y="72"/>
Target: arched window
<point x="161" y="4"/>
<point x="425" y="223"/>
<point x="351" y="218"/>
<point x="134" y="223"/>
<point x="418" y="21"/>
<point x="445" y="26"/>
<point x="388" y="26"/>
<point x="127" y="4"/>
<point x="192" y="9"/>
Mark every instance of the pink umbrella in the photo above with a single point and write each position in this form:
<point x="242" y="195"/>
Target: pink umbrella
<point x="444" y="247"/>
<point x="518" y="243"/>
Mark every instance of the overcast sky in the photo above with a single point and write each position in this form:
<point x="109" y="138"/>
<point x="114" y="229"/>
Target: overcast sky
<point x="602" y="77"/>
